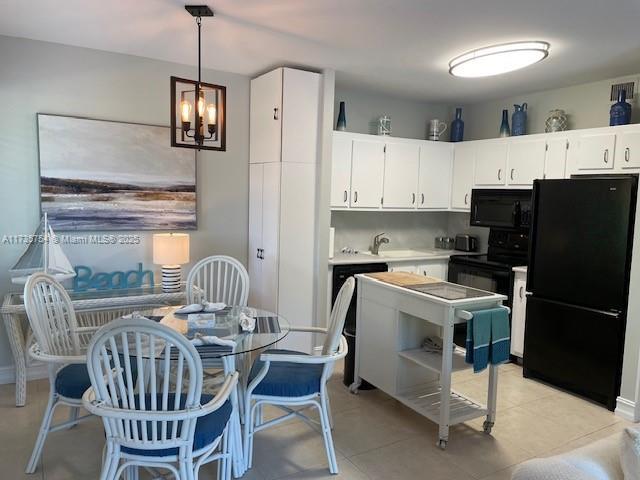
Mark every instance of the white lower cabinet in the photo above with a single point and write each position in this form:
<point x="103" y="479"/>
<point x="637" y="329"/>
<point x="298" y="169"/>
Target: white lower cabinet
<point x="518" y="314"/>
<point x="436" y="269"/>
<point x="403" y="267"/>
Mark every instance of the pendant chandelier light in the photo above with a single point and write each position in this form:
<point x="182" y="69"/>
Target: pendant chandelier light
<point x="198" y="108"/>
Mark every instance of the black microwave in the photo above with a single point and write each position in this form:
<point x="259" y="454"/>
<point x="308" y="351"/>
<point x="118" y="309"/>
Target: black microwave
<point x="501" y="208"/>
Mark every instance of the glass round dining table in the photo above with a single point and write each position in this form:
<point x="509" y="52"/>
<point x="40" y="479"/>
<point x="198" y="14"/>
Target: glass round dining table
<point x="225" y="324"/>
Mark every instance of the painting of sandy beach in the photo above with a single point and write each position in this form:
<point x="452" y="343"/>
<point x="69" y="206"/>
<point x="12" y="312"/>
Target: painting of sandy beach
<point x="101" y="175"/>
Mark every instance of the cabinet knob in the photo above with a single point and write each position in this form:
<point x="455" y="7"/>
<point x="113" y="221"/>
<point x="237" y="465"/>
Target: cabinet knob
<point x="466" y="197"/>
<point x="499" y="174"/>
<point x="520" y="293"/>
<point x="422" y="198"/>
<point x="606" y="155"/>
<point x="511" y="174"/>
<point x="275" y="113"/>
<point x="627" y="154"/>
<point x="413" y="199"/>
<point x="355" y="197"/>
<point x="345" y="196"/>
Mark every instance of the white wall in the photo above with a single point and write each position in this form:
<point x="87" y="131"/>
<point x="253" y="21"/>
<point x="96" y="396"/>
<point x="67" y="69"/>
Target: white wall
<point x="50" y="78"/>
<point x="587" y="106"/>
<point x="409" y="118"/>
<point x="404" y="229"/>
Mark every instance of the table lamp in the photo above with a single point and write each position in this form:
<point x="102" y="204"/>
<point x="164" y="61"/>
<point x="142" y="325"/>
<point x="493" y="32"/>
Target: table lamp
<point x="171" y="250"/>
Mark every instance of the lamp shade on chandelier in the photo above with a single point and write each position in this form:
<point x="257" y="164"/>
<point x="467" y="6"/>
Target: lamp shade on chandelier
<point x="198" y="108"/>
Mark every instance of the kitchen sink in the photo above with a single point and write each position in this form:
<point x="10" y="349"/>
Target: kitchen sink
<point x="401" y="253"/>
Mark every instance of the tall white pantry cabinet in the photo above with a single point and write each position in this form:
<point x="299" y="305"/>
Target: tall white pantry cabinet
<point x="284" y="136"/>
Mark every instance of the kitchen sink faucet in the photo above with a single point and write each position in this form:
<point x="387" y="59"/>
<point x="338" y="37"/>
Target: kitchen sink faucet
<point x="378" y="240"/>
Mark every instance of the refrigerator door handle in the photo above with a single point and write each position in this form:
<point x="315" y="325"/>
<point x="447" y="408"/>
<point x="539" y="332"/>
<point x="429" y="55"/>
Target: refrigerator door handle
<point x="609" y="313"/>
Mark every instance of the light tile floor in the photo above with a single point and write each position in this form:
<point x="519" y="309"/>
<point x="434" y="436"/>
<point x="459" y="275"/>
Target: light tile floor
<point x="376" y="437"/>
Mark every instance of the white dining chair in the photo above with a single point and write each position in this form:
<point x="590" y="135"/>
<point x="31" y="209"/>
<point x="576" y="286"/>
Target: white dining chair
<point x="288" y="379"/>
<point x="60" y="343"/>
<point x="147" y="386"/>
<point x="218" y="278"/>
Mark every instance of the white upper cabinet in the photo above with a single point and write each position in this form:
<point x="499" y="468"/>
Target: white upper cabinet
<point x="491" y="163"/>
<point x="556" y="158"/>
<point x="628" y="150"/>
<point x="265" y="134"/>
<point x="401" y="175"/>
<point x="462" y="181"/>
<point x="367" y="171"/>
<point x="284" y="104"/>
<point x="341" y="170"/>
<point x="526" y="161"/>
<point x="434" y="179"/>
<point x="596" y="151"/>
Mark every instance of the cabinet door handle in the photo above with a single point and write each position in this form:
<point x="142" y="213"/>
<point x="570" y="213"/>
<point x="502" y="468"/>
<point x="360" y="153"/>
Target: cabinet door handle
<point x="511" y="174"/>
<point x="355" y="197"/>
<point x="345" y="196"/>
<point x="627" y="154"/>
<point x="422" y="198"/>
<point x="606" y="155"/>
<point x="413" y="199"/>
<point x="520" y="293"/>
<point x="275" y="113"/>
<point x="466" y="197"/>
<point x="257" y="253"/>
<point x="499" y="174"/>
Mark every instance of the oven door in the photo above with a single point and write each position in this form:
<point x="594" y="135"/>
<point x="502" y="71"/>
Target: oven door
<point x="484" y="277"/>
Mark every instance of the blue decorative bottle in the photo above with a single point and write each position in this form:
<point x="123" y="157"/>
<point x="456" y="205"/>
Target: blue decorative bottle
<point x="504" y="127"/>
<point x="620" y="113"/>
<point x="342" y="119"/>
<point x="457" y="127"/>
<point x="519" y="120"/>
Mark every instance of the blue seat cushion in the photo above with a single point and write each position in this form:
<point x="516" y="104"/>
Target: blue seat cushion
<point x="72" y="381"/>
<point x="287" y="379"/>
<point x="208" y="427"/>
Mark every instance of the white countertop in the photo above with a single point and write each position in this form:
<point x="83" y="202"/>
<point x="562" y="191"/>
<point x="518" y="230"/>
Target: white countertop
<point x="428" y="254"/>
<point x="520" y="269"/>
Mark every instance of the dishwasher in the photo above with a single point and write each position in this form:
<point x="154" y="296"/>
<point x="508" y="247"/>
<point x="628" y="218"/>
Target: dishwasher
<point x="340" y="275"/>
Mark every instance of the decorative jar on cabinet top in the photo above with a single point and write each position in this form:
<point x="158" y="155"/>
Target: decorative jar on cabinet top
<point x="620" y="113"/>
<point x="519" y="120"/>
<point x="457" y="127"/>
<point x="556" y="121"/>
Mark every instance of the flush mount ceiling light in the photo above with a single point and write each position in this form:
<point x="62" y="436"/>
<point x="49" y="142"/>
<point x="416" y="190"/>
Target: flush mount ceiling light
<point x="198" y="108"/>
<point x="497" y="59"/>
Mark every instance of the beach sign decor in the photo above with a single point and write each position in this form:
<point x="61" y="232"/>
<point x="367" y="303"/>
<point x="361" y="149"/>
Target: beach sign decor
<point x="105" y="176"/>
<point x="86" y="280"/>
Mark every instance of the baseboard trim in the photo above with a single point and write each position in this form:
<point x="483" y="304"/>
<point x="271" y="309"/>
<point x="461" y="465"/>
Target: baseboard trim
<point x="34" y="372"/>
<point x="626" y="409"/>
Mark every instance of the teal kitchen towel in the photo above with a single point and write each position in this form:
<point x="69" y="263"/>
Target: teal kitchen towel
<point x="488" y="338"/>
<point x="500" y="336"/>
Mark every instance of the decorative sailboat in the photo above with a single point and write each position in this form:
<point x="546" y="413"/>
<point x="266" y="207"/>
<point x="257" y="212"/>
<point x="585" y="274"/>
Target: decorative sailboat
<point x="42" y="256"/>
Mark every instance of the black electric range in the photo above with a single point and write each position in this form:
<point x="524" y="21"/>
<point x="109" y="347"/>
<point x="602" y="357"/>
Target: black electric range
<point x="492" y="271"/>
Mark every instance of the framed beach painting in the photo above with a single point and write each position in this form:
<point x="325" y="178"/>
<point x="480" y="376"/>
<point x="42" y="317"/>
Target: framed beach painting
<point x="103" y="175"/>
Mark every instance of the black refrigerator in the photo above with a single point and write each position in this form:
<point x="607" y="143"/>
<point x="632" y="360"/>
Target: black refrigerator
<point x="578" y="279"/>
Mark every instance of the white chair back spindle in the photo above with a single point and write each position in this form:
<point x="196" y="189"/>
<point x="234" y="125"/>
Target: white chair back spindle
<point x="51" y="316"/>
<point x="149" y="412"/>
<point x="218" y="278"/>
<point x="338" y="317"/>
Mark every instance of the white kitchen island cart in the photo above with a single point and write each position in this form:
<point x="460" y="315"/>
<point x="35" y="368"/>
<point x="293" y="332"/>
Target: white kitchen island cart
<point x="392" y="321"/>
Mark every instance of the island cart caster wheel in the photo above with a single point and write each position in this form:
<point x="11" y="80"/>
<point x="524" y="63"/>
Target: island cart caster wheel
<point x="353" y="389"/>
<point x="487" y="426"/>
<point x="442" y="444"/>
